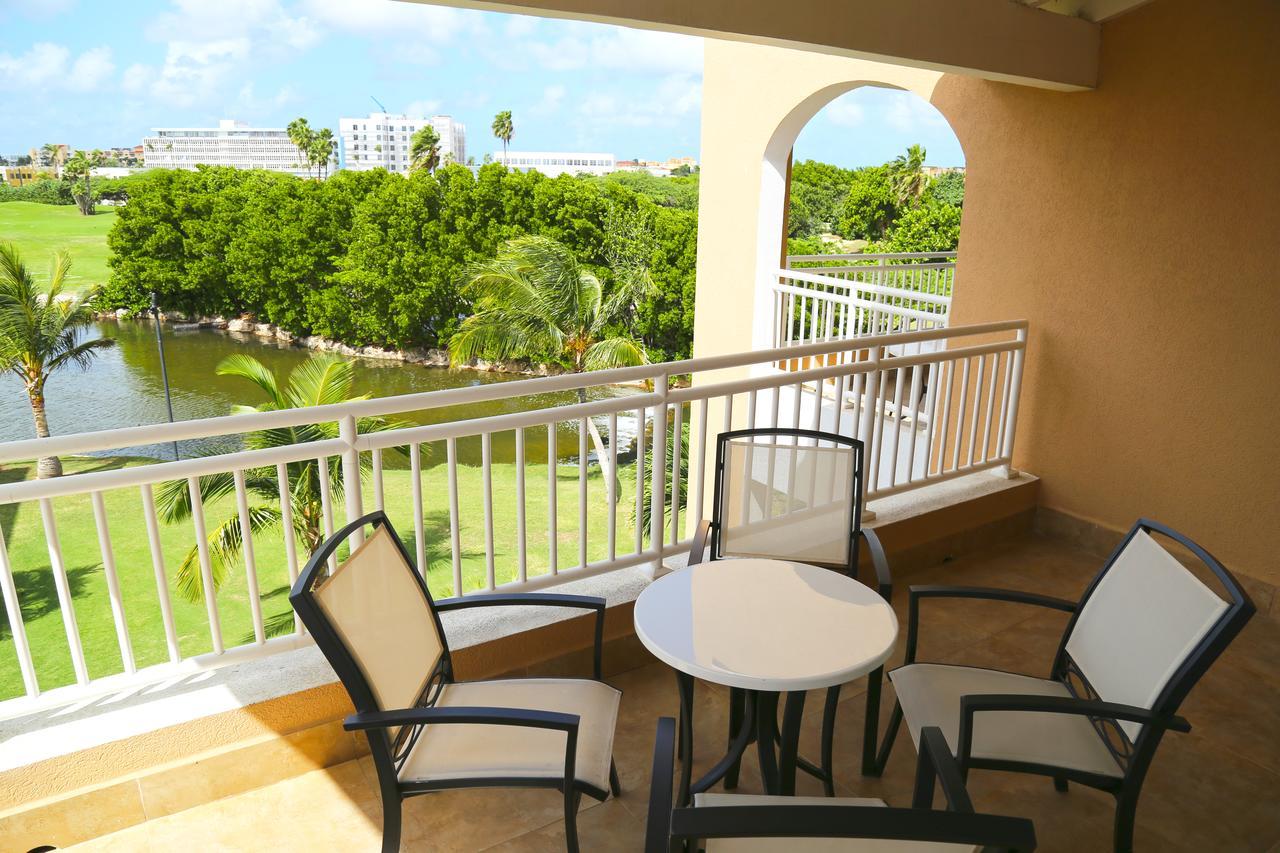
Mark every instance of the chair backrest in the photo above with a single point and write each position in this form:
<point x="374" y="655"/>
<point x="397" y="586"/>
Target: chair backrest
<point x="766" y="823"/>
<point x="374" y="619"/>
<point x="789" y="494"/>
<point x="1147" y="628"/>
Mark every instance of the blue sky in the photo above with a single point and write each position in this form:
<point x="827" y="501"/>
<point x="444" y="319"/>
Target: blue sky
<point x="97" y="74"/>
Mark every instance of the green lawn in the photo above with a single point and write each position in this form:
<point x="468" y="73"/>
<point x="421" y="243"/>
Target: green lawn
<point x="39" y="230"/>
<point x="34" y="580"/>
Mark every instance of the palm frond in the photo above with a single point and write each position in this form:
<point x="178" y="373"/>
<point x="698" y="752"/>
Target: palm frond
<point x="225" y="543"/>
<point x="173" y="498"/>
<point x="320" y="381"/>
<point x="248" y="367"/>
<point x="619" y="351"/>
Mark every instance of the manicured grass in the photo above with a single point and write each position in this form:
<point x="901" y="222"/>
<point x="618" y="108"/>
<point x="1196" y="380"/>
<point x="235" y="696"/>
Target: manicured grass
<point x="29" y="557"/>
<point x="39" y="230"/>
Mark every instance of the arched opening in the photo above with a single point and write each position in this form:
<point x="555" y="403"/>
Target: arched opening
<point x="855" y="172"/>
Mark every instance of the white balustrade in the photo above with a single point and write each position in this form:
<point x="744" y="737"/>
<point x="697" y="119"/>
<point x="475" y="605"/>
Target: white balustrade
<point x="930" y="403"/>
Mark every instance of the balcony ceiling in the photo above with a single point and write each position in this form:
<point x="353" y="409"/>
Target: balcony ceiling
<point x="1018" y="42"/>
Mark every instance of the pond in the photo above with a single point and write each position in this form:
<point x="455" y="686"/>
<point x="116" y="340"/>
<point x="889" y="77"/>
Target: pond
<point x="123" y="387"/>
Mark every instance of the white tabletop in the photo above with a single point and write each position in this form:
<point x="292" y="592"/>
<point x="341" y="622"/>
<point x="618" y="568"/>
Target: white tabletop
<point x="765" y="624"/>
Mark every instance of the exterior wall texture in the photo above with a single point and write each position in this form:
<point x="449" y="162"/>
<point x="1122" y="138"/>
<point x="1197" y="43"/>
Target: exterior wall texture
<point x="1137" y="227"/>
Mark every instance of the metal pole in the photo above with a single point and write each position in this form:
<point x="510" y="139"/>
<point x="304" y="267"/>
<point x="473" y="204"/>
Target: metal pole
<point x="164" y="372"/>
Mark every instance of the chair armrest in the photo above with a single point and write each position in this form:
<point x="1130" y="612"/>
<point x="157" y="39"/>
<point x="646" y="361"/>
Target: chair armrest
<point x="937" y="764"/>
<point x="463" y="715"/>
<point x="698" y="547"/>
<point x="657" y="833"/>
<point x="884" y="580"/>
<point x="915" y="593"/>
<point x="972" y="704"/>
<point x="539" y="599"/>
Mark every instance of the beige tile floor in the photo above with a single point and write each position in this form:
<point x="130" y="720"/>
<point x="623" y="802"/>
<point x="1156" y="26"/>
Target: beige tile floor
<point x="1217" y="788"/>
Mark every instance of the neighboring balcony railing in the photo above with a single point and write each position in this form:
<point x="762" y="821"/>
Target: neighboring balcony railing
<point x="930" y="405"/>
<point x="827" y="297"/>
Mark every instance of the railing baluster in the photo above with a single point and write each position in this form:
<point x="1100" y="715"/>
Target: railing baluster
<point x="379" y="499"/>
<point x="419" y="509"/>
<point x="348" y="431"/>
<point x="326" y="505"/>
<point x="675" y="472"/>
<point x="961" y="408"/>
<point x="751" y="409"/>
<point x="206" y="562"/>
<point x="522" y="552"/>
<point x="161" y="575"/>
<point x="879" y="425"/>
<point x="553" y="525"/>
<point x="897" y="429"/>
<point x="246" y="550"/>
<point x="455" y="520"/>
<point x="915" y="421"/>
<point x="1004" y="402"/>
<point x="977" y="409"/>
<point x="946" y="382"/>
<point x="639" y="510"/>
<point x="17" y="630"/>
<point x="113" y="582"/>
<point x="290" y="538"/>
<point x="63" y="590"/>
<point x="486" y="472"/>
<point x="582" y="493"/>
<point x="701" y="468"/>
<point x="798" y="390"/>
<point x="658" y="472"/>
<point x="839" y="404"/>
<point x="991" y="404"/>
<point x="611" y="485"/>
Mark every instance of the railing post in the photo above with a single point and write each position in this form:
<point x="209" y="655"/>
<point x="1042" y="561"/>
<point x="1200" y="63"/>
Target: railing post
<point x="658" y="471"/>
<point x="1011" y="413"/>
<point x="17" y="630"/>
<point x="867" y="430"/>
<point x="348" y="431"/>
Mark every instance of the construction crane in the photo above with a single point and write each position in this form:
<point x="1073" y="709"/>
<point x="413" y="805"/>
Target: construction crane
<point x="379" y="103"/>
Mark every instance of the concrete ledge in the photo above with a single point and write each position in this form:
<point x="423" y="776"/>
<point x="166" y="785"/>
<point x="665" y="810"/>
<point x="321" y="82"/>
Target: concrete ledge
<point x="74" y="773"/>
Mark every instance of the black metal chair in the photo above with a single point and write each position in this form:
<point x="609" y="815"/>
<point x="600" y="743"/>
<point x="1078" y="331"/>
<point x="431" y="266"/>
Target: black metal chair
<point x="1141" y="636"/>
<point x="375" y="621"/>
<point x="746" y="823"/>
<point x="793" y="494"/>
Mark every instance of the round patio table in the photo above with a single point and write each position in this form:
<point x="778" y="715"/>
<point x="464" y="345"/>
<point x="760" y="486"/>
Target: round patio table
<point x="766" y="627"/>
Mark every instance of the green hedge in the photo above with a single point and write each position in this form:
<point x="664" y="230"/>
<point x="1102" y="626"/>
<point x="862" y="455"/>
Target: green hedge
<point x="371" y="258"/>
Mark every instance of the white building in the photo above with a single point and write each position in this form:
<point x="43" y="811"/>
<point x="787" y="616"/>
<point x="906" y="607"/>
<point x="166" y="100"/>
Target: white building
<point x="231" y="143"/>
<point x="382" y="140"/>
<point x="554" y="163"/>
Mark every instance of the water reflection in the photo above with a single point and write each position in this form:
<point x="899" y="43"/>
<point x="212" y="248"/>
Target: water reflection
<point x="123" y="388"/>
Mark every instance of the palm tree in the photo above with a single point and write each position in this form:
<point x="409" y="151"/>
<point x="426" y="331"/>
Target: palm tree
<point x="80" y="167"/>
<point x="535" y="301"/>
<point x="318" y="381"/>
<point x="40" y="332"/>
<point x="320" y="151"/>
<point x="49" y="154"/>
<point x="504" y="129"/>
<point x="302" y="137"/>
<point x="908" y="177"/>
<point x="424" y="149"/>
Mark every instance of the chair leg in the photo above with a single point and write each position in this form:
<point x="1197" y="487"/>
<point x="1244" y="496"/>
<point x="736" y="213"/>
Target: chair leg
<point x="1126" y="813"/>
<point x="828" y="740"/>
<point x="572" y="798"/>
<point x="391" y="824"/>
<point x="890" y="735"/>
<point x="615" y="787"/>
<point x="1060" y="783"/>
<point x="737" y="710"/>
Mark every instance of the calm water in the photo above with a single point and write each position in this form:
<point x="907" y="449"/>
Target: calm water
<point x="124" y="388"/>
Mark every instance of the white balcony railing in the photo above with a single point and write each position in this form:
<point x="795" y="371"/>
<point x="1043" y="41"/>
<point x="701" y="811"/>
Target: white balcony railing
<point x="926" y="414"/>
<point x="828" y="297"/>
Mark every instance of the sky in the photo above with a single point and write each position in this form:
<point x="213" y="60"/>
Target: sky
<point x="97" y="74"/>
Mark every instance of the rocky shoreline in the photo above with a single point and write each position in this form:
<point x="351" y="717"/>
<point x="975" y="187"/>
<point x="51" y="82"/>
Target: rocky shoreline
<point x="316" y="343"/>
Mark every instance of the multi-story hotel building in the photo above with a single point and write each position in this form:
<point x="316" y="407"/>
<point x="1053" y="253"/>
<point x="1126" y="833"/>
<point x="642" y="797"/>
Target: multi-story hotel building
<point x="558" y="162"/>
<point x="231" y="143"/>
<point x="382" y="140"/>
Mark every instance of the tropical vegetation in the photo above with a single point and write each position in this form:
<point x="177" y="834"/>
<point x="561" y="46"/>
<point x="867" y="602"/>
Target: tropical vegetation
<point x="315" y="147"/>
<point x="319" y="381"/>
<point x="503" y="129"/>
<point x="424" y="149"/>
<point x="42" y="330"/>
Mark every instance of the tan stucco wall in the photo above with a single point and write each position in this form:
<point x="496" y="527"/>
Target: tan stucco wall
<point x="1137" y="227"/>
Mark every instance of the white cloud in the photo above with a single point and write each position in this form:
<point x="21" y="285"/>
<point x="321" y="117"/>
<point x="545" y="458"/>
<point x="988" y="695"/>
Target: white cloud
<point x="844" y="112"/>
<point x="248" y="104"/>
<point x="907" y="113"/>
<point x="264" y="21"/>
<point x="422" y="108"/>
<point x="193" y="72"/>
<point x="44" y="64"/>
<point x="595" y="46"/>
<point x="666" y="106"/>
<point x="389" y="18"/>
<point x="550" y="102"/>
<point x="49" y="66"/>
<point x="521" y="26"/>
<point x="35" y="9"/>
<point x="91" y="70"/>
